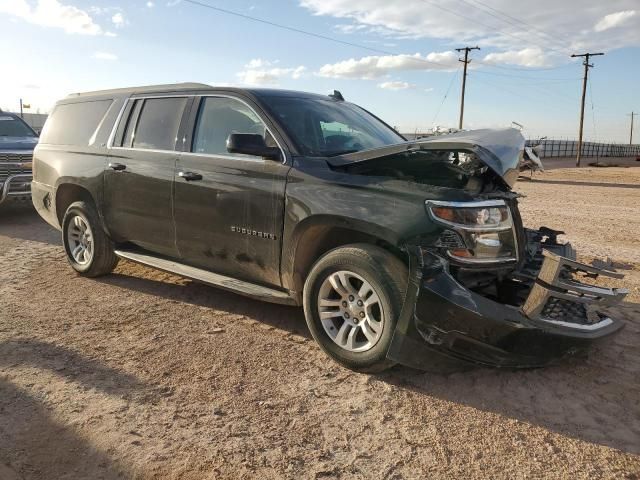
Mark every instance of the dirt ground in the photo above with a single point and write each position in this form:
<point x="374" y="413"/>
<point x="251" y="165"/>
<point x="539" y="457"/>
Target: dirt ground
<point x="146" y="375"/>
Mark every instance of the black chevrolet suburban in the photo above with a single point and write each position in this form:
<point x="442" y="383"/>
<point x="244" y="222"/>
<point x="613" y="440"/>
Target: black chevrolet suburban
<point x="400" y="251"/>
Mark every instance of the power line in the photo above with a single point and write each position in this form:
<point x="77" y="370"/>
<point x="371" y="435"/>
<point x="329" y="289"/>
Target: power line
<point x="453" y="77"/>
<point x="535" y="83"/>
<point x="523" y="69"/>
<point x="593" y="113"/>
<point x="546" y="79"/>
<point x="310" y="34"/>
<point x="353" y="44"/>
<point x="371" y="49"/>
<point x="535" y="29"/>
<point x="491" y="27"/>
<point x="519" y="94"/>
<point x="603" y="109"/>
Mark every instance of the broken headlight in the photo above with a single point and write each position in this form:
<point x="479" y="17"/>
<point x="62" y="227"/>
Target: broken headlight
<point x="486" y="229"/>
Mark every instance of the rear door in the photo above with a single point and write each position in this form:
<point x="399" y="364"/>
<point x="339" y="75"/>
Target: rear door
<point x="229" y="216"/>
<point x="138" y="203"/>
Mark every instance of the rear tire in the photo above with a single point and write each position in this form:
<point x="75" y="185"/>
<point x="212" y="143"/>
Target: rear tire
<point x="89" y="250"/>
<point x="352" y="299"/>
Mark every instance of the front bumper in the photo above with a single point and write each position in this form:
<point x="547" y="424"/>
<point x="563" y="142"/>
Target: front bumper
<point x="16" y="187"/>
<point x="442" y="318"/>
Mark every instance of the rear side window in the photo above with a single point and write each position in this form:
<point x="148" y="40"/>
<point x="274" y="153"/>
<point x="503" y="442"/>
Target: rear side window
<point x="157" y="124"/>
<point x="74" y="123"/>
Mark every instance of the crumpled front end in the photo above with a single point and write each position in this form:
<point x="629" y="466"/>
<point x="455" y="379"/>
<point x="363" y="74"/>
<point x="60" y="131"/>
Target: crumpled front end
<point x="540" y="311"/>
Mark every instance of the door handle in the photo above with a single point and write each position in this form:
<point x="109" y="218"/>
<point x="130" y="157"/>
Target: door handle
<point x="190" y="176"/>
<point x="118" y="167"/>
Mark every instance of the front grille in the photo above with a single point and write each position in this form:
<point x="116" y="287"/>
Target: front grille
<point x="16" y="157"/>
<point x="14" y="164"/>
<point x="566" y="310"/>
<point x="11" y="164"/>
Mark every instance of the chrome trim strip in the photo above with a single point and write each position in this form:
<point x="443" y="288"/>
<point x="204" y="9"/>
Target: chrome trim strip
<point x="481" y="261"/>
<point x="16" y="152"/>
<point x="601" y="324"/>
<point x="472" y="204"/>
<point x="249" y="158"/>
<point x="17" y="164"/>
<point x="133" y="98"/>
<point x="152" y="150"/>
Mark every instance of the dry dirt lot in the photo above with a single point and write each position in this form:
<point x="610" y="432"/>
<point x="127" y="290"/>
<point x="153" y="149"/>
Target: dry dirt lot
<point x="146" y="375"/>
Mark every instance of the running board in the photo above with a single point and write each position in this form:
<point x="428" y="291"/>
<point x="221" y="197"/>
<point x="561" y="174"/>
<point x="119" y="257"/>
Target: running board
<point x="216" y="280"/>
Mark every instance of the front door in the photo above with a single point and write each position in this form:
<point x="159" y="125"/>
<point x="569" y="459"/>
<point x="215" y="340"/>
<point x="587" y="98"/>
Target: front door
<point x="138" y="203"/>
<point x="229" y="208"/>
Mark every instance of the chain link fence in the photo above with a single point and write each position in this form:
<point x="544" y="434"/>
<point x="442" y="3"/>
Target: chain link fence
<point x="569" y="148"/>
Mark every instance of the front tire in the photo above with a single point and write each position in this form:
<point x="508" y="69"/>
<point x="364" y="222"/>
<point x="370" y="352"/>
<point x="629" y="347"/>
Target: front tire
<point x="89" y="250"/>
<point x="352" y="299"/>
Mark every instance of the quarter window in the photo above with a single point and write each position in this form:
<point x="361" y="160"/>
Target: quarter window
<point x="158" y="123"/>
<point x="218" y="118"/>
<point x="74" y="123"/>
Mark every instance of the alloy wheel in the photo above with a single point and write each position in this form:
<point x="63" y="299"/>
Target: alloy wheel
<point x="80" y="240"/>
<point x="350" y="311"/>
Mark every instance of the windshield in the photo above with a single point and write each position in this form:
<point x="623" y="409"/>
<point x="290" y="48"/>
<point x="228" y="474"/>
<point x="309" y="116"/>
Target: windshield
<point x="324" y="128"/>
<point x="11" y="126"/>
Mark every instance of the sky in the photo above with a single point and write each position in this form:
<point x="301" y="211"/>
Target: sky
<point x="395" y="58"/>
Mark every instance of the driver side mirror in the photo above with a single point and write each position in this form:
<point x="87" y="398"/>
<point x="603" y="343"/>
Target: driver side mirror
<point x="251" y="144"/>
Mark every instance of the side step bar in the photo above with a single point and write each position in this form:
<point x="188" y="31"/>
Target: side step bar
<point x="216" y="280"/>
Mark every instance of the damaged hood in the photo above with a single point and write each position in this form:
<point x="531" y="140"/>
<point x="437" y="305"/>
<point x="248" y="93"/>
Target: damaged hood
<point x="499" y="149"/>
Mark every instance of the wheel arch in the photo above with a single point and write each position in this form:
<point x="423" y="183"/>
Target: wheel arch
<point x="315" y="236"/>
<point x="67" y="193"/>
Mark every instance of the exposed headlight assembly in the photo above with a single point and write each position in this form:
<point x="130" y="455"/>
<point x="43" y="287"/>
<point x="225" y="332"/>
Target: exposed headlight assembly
<point x="485" y="227"/>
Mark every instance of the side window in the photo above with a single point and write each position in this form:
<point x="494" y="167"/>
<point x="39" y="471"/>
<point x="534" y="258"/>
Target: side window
<point x="218" y="118"/>
<point x="74" y="123"/>
<point x="157" y="123"/>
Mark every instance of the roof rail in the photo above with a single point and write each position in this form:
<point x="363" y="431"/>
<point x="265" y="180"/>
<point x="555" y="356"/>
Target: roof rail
<point x="143" y="89"/>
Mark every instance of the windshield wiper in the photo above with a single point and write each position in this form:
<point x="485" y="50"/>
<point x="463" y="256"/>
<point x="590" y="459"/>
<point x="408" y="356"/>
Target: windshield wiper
<point x="343" y="152"/>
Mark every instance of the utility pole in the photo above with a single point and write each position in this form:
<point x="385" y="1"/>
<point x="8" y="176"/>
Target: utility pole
<point x="632" y="114"/>
<point x="584" y="93"/>
<point x="466" y="61"/>
<point x="21" y="115"/>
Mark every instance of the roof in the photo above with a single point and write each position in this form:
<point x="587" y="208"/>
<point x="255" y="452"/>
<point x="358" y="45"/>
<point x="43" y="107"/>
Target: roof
<point x="273" y="92"/>
<point x="144" y="89"/>
<point x="186" y="87"/>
